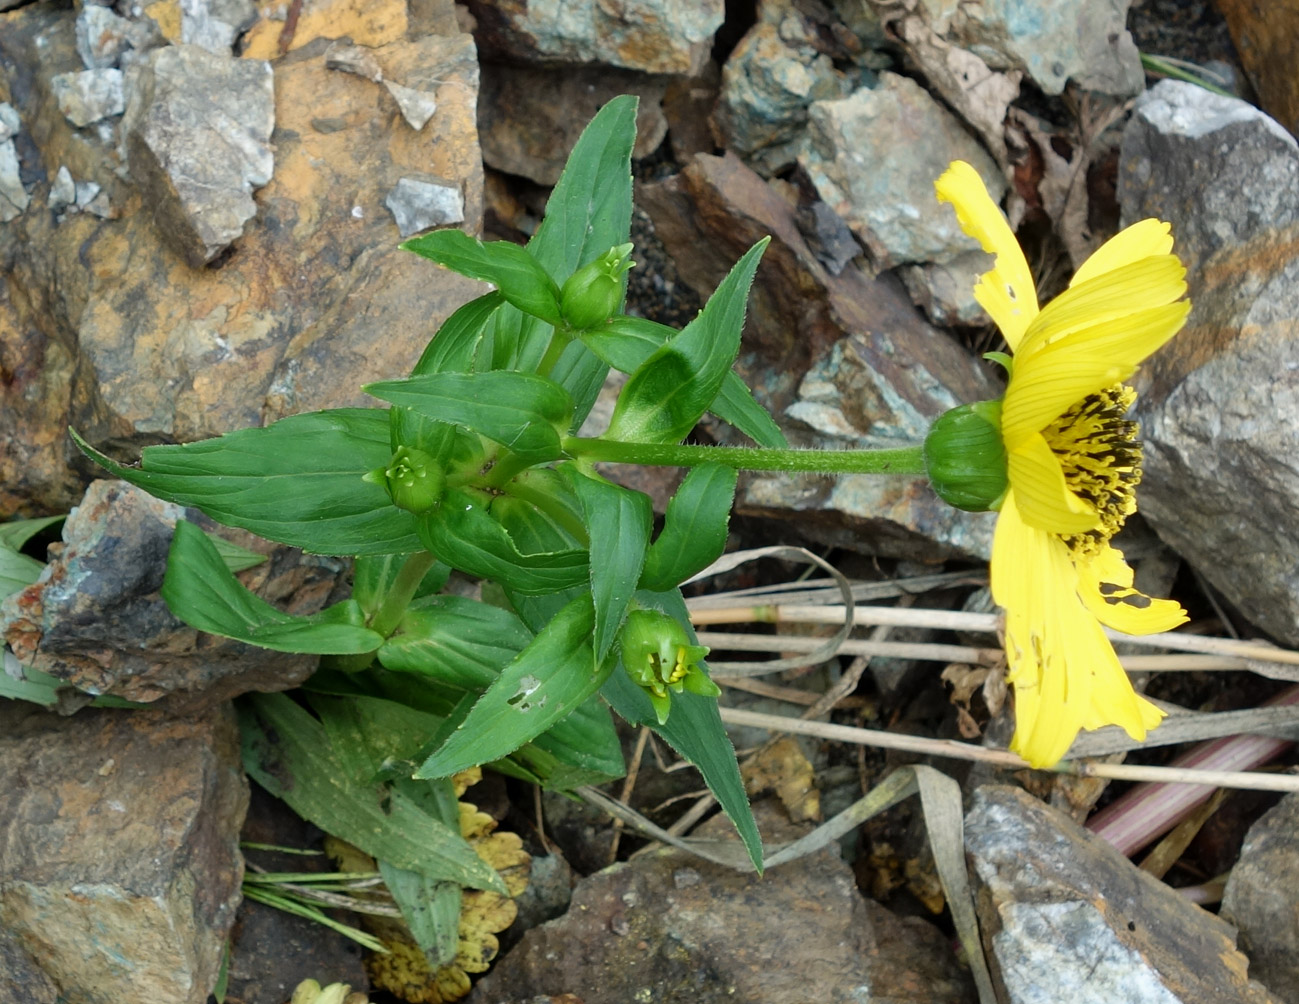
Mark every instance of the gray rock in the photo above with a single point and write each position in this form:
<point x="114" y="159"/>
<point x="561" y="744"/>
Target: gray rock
<point x="1086" y="41"/>
<point x="417" y="106"/>
<point x="828" y="237"/>
<point x="215" y="24"/>
<point x="63" y="191"/>
<point x="768" y="83"/>
<point x="841" y="360"/>
<point x="1262" y="898"/>
<point x="197" y="133"/>
<point x="89" y="95"/>
<point x="874" y="156"/>
<point x="13" y="196"/>
<point x="119" y="859"/>
<point x="79" y="196"/>
<point x="1068" y="918"/>
<point x="655" y="36"/>
<point x="667" y="927"/>
<point x="22" y="981"/>
<point x="1219" y="405"/>
<point x="95" y="620"/>
<point x="945" y="291"/>
<point x="354" y="59"/>
<point x="418" y="203"/>
<point x="10" y="123"/>
<point x="529" y="117"/>
<point x="102" y="36"/>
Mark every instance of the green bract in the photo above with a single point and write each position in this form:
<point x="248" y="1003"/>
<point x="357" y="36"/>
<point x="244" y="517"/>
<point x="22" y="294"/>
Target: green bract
<point x="965" y="458"/>
<point x="413" y="479"/>
<point x="660" y="657"/>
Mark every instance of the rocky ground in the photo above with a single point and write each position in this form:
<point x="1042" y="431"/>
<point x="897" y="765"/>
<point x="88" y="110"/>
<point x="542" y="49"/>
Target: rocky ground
<point x="200" y="206"/>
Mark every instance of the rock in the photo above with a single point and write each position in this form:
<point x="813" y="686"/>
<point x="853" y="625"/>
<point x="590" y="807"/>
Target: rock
<point x="530" y="117"/>
<point x="1066" y="917"/>
<point x="353" y="59"/>
<point x="102" y="36"/>
<point x="1265" y="41"/>
<point x="769" y="81"/>
<point x="422" y="202"/>
<point x="1085" y="42"/>
<point x="215" y="24"/>
<point x="945" y="291"/>
<point x="667" y="927"/>
<point x="417" y="107"/>
<point x="873" y="158"/>
<point x="688" y="105"/>
<point x="95" y="620"/>
<point x="847" y="353"/>
<point x="90" y="95"/>
<point x="13" y="196"/>
<point x="10" y="123"/>
<point x="371" y="23"/>
<point x="1262" y="898"/>
<point x="104" y="327"/>
<point x="655" y="36"/>
<point x="63" y="192"/>
<point x="119" y="860"/>
<point x="828" y="237"/>
<point x="197" y="134"/>
<point x="1219" y="406"/>
<point x="22" y="981"/>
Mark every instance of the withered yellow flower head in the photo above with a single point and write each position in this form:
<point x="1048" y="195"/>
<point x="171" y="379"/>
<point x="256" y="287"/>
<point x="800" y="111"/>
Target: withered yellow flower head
<point x="1072" y="464"/>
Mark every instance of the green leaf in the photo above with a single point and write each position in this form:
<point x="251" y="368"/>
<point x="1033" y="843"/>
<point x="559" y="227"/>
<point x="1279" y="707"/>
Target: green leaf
<point x="694" y="729"/>
<point x="521" y="411"/>
<point x="464" y="535"/>
<point x="589" y="211"/>
<point x="297" y="481"/>
<point x="29" y="684"/>
<point x="16" y="533"/>
<point x="288" y="753"/>
<point x="204" y="594"/>
<point x="517" y="275"/>
<point x="17" y="571"/>
<point x="619" y="521"/>
<point x="626" y="342"/>
<point x="555" y="674"/>
<point x="234" y="557"/>
<point x="669" y="392"/>
<point x="694" y="528"/>
<point x="457" y="641"/>
<point x="430" y="909"/>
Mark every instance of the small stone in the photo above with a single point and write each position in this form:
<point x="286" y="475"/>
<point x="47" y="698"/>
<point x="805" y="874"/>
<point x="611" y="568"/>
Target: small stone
<point x="418" y="203"/>
<point x="1068" y="918"/>
<point x="215" y="24"/>
<point x="653" y="36"/>
<point x="63" y="192"/>
<point x="89" y="95"/>
<point x="102" y="36"/>
<point x="874" y="157"/>
<point x="353" y="59"/>
<point x="197" y="132"/>
<point x="13" y="196"/>
<point x="945" y="291"/>
<point x="828" y="236"/>
<point x="10" y="123"/>
<point x="417" y="107"/>
<point x="1262" y="898"/>
<point x="87" y="192"/>
<point x="98" y="204"/>
<point x="120" y="864"/>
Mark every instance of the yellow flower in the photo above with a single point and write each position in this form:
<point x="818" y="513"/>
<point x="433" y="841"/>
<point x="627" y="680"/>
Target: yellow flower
<point x="1072" y="462"/>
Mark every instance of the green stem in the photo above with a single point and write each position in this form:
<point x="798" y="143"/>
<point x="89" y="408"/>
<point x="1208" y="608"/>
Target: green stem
<point x="558" y="343"/>
<point x="400" y="593"/>
<point x="904" y="460"/>
<point x="550" y="506"/>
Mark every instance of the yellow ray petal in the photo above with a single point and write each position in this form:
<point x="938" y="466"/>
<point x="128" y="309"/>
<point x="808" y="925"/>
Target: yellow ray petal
<point x="1049" y="382"/>
<point x="1044" y="499"/>
<point x="1141" y="240"/>
<point x="1151" y="282"/>
<point x="1007" y="292"/>
<point x="1105" y="586"/>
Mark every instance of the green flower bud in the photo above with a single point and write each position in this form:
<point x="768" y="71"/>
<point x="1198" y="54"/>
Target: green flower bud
<point x="965" y="457"/>
<point x="414" y="480"/>
<point x="594" y="292"/>
<point x="659" y="657"/>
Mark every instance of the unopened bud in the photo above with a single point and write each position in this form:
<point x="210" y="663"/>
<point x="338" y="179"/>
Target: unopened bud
<point x="593" y="293"/>
<point x="965" y="457"/>
<point x="414" y="480"/>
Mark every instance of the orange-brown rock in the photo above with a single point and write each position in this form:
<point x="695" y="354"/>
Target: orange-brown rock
<point x="1266" y="33"/>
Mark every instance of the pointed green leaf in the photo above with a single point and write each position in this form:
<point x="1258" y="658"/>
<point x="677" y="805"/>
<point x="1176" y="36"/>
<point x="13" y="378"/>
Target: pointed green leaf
<point x="200" y="590"/>
<point x="288" y="753"/>
<point x="458" y="641"/>
<point x="16" y="533"/>
<point x="694" y="528"/>
<point x="620" y="521"/>
<point x="555" y="674"/>
<point x="17" y="571"/>
<point x="297" y="481"/>
<point x="521" y="411"/>
<point x="694" y="729"/>
<point x="517" y="275"/>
